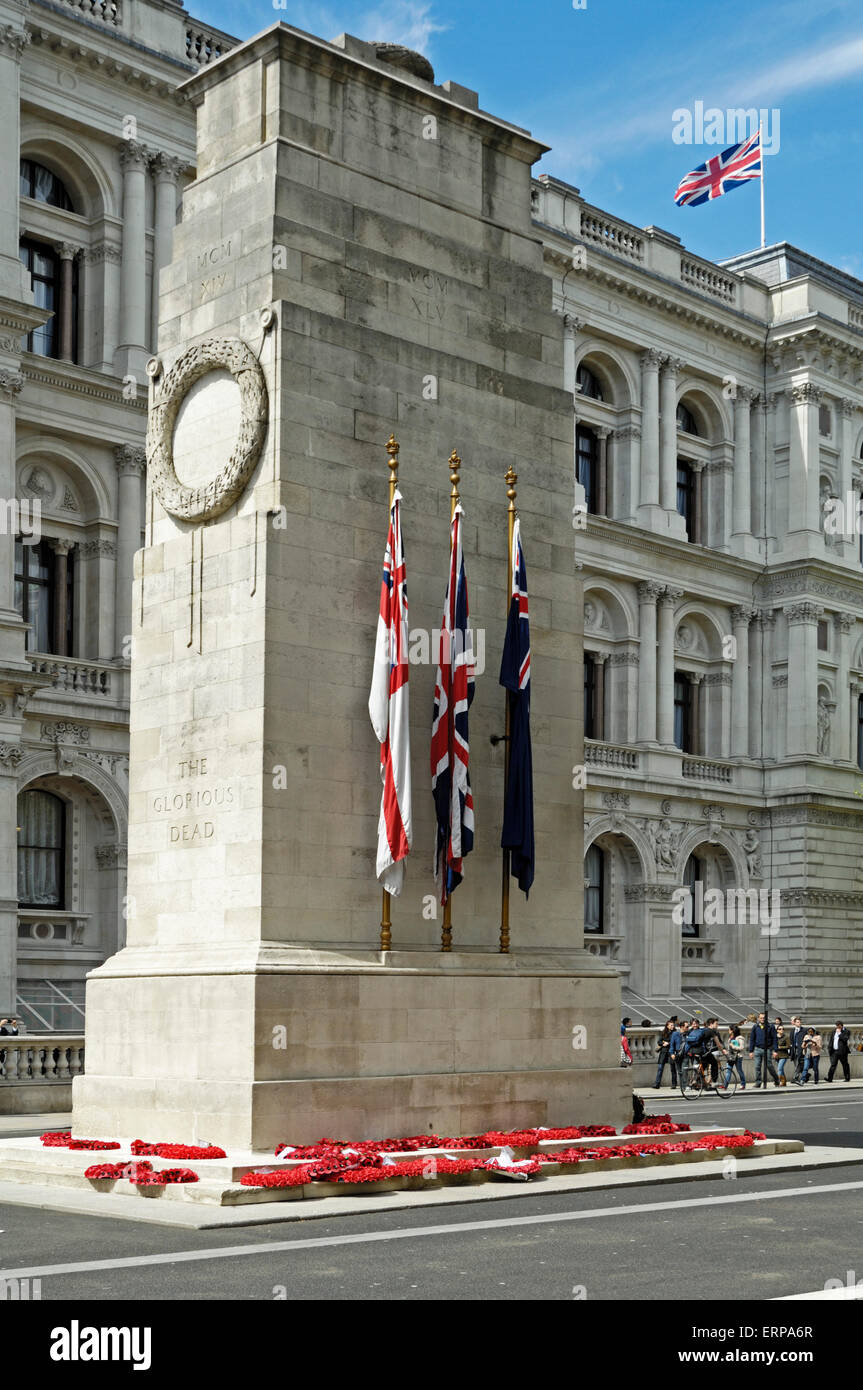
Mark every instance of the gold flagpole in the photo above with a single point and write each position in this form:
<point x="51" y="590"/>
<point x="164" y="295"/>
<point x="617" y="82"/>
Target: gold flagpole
<point x="446" y="929"/>
<point x="393" y="465"/>
<point x="511" y="479"/>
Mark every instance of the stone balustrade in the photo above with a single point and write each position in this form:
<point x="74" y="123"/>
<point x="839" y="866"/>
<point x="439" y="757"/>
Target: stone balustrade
<point x="204" y="45"/>
<point x="49" y="1057"/>
<point x="706" y="770"/>
<point x="704" y="277"/>
<point x="610" y="755"/>
<point x="106" y="11"/>
<point x="617" y="237"/>
<point x="91" y="679"/>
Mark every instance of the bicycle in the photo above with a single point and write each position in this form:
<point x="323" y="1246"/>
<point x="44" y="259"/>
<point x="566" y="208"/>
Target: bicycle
<point x="695" y="1077"/>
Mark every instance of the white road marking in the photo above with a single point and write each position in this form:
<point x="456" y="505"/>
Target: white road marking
<point x="417" y="1232"/>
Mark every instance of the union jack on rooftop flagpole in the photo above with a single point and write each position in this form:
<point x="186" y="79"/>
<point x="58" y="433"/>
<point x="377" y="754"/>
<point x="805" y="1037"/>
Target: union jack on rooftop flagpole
<point x="389" y="710"/>
<point x="450" y="750"/>
<point x="734" y="167"/>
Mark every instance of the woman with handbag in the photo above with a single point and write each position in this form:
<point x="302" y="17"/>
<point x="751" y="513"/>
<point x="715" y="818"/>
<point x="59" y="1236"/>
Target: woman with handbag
<point x="666" y="1055"/>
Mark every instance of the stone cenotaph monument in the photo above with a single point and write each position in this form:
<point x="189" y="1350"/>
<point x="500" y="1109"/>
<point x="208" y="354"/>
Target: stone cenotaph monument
<point x="355" y="259"/>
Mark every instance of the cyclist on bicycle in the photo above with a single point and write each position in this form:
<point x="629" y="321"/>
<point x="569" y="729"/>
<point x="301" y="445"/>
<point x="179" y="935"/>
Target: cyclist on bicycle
<point x="711" y="1047"/>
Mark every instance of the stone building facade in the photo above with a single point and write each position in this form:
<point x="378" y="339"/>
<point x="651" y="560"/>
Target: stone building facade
<point x="97" y="146"/>
<point x="717" y="408"/>
<point x="718" y="470"/>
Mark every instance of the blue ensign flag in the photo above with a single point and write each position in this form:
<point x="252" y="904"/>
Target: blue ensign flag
<point x="517" y="834"/>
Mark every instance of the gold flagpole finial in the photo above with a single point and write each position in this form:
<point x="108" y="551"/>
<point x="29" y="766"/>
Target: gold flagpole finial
<point x="454" y="476"/>
<point x="393" y="464"/>
<point x="511" y="478"/>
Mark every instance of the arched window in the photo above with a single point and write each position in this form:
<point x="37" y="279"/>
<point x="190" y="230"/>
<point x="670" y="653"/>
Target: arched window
<point x="38" y="182"/>
<point x="693" y="910"/>
<point x="587" y="463"/>
<point x="594" y="892"/>
<point x="588" y="383"/>
<point x="686" y="420"/>
<point x="682" y="711"/>
<point x="41" y="850"/>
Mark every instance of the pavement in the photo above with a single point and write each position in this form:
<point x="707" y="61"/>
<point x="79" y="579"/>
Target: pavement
<point x="777" y="1234"/>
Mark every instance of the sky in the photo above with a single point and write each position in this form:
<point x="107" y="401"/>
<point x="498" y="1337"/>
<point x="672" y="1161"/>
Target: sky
<point x="601" y="82"/>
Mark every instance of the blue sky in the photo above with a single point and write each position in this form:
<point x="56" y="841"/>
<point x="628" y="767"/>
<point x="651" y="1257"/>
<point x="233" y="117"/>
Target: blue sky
<point x="600" y="85"/>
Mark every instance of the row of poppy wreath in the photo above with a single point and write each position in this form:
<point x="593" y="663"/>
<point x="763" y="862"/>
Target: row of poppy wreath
<point x="516" y="1139"/>
<point x="62" y="1139"/>
<point x="141" y="1174"/>
<point x="375" y="1168"/>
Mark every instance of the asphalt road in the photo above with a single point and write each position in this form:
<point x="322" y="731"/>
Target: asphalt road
<point x="761" y="1236"/>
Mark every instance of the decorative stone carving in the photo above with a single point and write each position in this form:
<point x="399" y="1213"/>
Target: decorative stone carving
<point x="627" y="432"/>
<point x="652" y="359"/>
<point x="65" y="732"/>
<point x="806" y="394"/>
<point x="134" y="155"/>
<point x="70" y="502"/>
<point x="616" y="800"/>
<point x="11" y="754"/>
<point x="103" y="254"/>
<point x="804" y="612"/>
<point x="665" y="808"/>
<point x="13" y="40"/>
<point x="752" y="849"/>
<point x="714" y="815"/>
<point x="648" y="892"/>
<point x="11" y="382"/>
<point x="649" y="591"/>
<point x="623" y="659"/>
<point x="213" y="498"/>
<point x="130" y="458"/>
<point x="684" y="637"/>
<point x="665" y="842"/>
<point x="90" y="549"/>
<point x="111" y="856"/>
<point x="824" y="720"/>
<point x="39" y="484"/>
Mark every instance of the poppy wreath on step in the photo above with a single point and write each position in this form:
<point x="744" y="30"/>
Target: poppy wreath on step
<point x="197" y="1151"/>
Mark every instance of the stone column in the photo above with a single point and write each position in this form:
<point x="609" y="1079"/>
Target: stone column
<point x="134" y="328"/>
<point x="854" y="692"/>
<point x="843" y="626"/>
<point x="804" y="502"/>
<point x="603" y="434"/>
<point x="665" y="683"/>
<point x="650" y="363"/>
<point x="10" y="756"/>
<point x="699" y="530"/>
<point x="61" y="550"/>
<point x="14" y="280"/>
<point x="12" y="633"/>
<point x="668" y="433"/>
<point x="166" y="170"/>
<point x="802" y="735"/>
<point x="767" y="620"/>
<point x="846" y="471"/>
<point x="648" y="592"/>
<point x="599" y="660"/>
<point x="771" y="407"/>
<point x="740" y="620"/>
<point x="625" y="481"/>
<point x="719" y="506"/>
<point x="67" y="254"/>
<point x="756" y="686"/>
<point x="131" y="462"/>
<point x="742" y="487"/>
<point x="695" y="679"/>
<point x="757" y="441"/>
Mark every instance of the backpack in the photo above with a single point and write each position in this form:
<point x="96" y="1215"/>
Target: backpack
<point x="694" y="1042"/>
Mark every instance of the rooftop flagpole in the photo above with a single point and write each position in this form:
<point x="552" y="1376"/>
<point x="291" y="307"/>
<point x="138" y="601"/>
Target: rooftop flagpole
<point x="761" y="150"/>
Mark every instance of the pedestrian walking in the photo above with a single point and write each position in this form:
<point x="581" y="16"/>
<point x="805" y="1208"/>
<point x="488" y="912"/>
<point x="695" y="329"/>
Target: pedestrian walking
<point x="837" y="1048"/>
<point x="782" y="1052"/>
<point x="812" y="1044"/>
<point x="798" y="1033"/>
<point x="762" y="1041"/>
<point x="666" y="1056"/>
<point x="734" y="1047"/>
<point x="625" y="1054"/>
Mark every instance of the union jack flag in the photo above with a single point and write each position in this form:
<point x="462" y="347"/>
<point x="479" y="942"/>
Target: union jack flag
<point x="517" y="834"/>
<point x="450" y="752"/>
<point x="389" y="711"/>
<point x="734" y="167"/>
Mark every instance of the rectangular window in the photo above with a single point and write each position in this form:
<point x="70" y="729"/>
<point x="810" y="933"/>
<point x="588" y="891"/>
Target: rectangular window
<point x="44" y="266"/>
<point x="587" y="465"/>
<point x="590" y="722"/>
<point x="41" y="844"/>
<point x="34" y="593"/>
<point x="594" y="892"/>
<point x="682" y="712"/>
<point x="686" y="496"/>
<point x="822" y="636"/>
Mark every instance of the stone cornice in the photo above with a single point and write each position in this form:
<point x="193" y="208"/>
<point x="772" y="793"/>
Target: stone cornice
<point x="67" y="377"/>
<point x="106" y="50"/>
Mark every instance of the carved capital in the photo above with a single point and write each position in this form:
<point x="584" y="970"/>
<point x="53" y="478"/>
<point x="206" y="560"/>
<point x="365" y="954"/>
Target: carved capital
<point x="672" y="367"/>
<point x="572" y="324"/>
<point x="652" y="359"/>
<point x="133" y="155"/>
<point x="844" y="622"/>
<point x="66" y="250"/>
<point x="670" y="596"/>
<point x="167" y="168"/>
<point x="804" y="612"/>
<point x="627" y="432"/>
<point x="13" y="40"/>
<point x="806" y="394"/>
<point x="97" y="548"/>
<point x="130" y="458"/>
<point x="742" y="615"/>
<point x="11" y="755"/>
<point x="61" y="546"/>
<point x="649" y="591"/>
<point x="102" y="254"/>
<point x="847" y="407"/>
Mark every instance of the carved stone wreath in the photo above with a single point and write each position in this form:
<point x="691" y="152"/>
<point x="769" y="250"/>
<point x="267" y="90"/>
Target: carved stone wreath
<point x="214" y="497"/>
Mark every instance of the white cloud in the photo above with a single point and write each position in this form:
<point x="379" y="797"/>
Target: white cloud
<point x="408" y="22"/>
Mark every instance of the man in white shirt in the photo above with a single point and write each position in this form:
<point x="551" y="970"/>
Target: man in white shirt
<point x="838" y="1050"/>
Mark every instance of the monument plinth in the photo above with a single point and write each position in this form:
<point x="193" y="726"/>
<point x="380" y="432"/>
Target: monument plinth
<point x="355" y="258"/>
